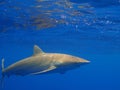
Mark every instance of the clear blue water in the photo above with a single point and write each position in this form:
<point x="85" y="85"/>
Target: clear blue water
<point x="86" y="28"/>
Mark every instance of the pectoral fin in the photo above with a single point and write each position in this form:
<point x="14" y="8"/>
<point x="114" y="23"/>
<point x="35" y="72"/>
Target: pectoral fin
<point x="46" y="70"/>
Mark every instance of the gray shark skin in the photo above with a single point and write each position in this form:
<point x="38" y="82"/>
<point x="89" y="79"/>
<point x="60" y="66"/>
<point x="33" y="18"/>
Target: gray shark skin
<point x="43" y="63"/>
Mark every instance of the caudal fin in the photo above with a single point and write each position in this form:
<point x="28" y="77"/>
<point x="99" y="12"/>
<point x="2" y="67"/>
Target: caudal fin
<point x="2" y="78"/>
<point x="3" y="64"/>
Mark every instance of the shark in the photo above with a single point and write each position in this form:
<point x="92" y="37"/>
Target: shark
<point x="43" y="63"/>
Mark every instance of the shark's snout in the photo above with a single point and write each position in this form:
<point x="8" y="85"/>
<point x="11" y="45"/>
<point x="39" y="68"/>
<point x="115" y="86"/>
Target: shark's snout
<point x="80" y="60"/>
<point x="86" y="61"/>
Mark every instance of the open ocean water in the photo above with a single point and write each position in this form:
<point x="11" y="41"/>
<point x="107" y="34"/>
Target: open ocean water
<point x="85" y="28"/>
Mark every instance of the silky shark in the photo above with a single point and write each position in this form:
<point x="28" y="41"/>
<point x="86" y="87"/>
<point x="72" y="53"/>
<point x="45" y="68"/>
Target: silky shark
<point x="43" y="63"/>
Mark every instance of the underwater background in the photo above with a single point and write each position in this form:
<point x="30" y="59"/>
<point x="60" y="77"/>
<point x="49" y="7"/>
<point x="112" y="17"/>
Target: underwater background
<point x="85" y="28"/>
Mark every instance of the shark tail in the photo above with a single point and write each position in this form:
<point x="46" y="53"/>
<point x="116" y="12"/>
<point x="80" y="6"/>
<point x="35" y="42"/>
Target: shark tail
<point x="2" y="78"/>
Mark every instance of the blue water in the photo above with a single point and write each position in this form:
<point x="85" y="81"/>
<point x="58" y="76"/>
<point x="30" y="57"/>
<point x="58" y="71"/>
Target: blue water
<point x="85" y="28"/>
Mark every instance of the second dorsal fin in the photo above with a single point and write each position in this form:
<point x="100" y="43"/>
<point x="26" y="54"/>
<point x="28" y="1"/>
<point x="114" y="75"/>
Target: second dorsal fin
<point x="37" y="50"/>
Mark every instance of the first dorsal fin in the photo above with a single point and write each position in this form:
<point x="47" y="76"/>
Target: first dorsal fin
<point x="37" y="50"/>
